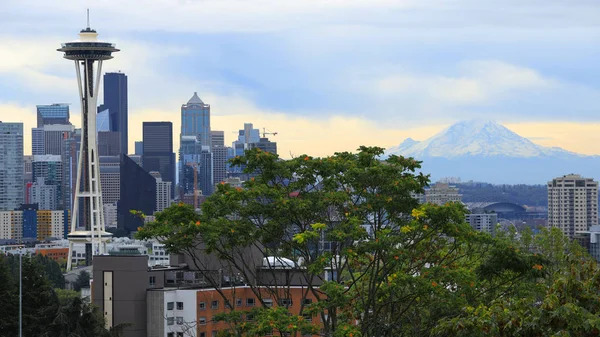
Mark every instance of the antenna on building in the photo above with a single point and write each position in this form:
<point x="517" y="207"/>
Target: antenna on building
<point x="88" y="18"/>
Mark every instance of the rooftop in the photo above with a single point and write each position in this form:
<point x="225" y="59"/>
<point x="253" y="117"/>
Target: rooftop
<point x="195" y="99"/>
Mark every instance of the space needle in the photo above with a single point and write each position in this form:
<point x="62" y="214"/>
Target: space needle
<point x="86" y="52"/>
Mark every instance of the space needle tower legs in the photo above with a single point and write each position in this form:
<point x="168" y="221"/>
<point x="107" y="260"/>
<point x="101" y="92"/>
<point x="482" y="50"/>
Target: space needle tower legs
<point x="87" y="205"/>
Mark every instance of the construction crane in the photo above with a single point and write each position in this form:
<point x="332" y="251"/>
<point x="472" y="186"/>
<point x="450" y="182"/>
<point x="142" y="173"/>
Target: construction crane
<point x="265" y="133"/>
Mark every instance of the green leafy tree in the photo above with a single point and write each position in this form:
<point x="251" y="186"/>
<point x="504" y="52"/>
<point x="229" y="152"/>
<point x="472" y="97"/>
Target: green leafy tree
<point x="377" y="262"/>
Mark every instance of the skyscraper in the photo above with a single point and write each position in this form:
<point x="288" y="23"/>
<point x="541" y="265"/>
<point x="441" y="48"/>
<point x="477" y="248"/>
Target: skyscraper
<point x="265" y="144"/>
<point x="50" y="168"/>
<point x="37" y="141"/>
<point x="52" y="114"/>
<point x="219" y="151"/>
<point x="115" y="100"/>
<point x="11" y="165"/>
<point x="158" y="152"/>
<point x="138" y="192"/>
<point x="43" y="195"/>
<point x="205" y="171"/>
<point x="54" y="136"/>
<point x="572" y="204"/>
<point x="163" y="192"/>
<point x="109" y="143"/>
<point x="195" y="120"/>
<point x="102" y="119"/>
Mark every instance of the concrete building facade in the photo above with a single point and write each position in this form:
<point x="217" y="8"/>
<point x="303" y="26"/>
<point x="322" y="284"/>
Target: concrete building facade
<point x="163" y="192"/>
<point x="11" y="166"/>
<point x="33" y="223"/>
<point x="572" y="204"/>
<point x="440" y="194"/>
<point x="483" y="222"/>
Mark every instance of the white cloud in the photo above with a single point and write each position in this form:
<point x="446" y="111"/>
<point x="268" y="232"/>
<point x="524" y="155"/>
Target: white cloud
<point x="477" y="82"/>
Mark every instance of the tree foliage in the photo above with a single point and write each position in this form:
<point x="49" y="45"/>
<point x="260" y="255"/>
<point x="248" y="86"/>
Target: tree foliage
<point x="377" y="262"/>
<point x="82" y="281"/>
<point x="47" y="311"/>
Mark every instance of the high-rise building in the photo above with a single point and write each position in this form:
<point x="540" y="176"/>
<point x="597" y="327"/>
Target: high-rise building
<point x="205" y="171"/>
<point x="86" y="52"/>
<point x="103" y="119"/>
<point x="109" y="143"/>
<point x="219" y="151"/>
<point x="440" y="194"/>
<point x="52" y="114"/>
<point x="110" y="179"/>
<point x="54" y="136"/>
<point x="217" y="138"/>
<point x="163" y="192"/>
<point x="115" y="100"/>
<point x="71" y="148"/>
<point x="50" y="168"/>
<point x="37" y="141"/>
<point x="265" y="144"/>
<point x="195" y="120"/>
<point x="572" y="204"/>
<point x="11" y="165"/>
<point x="158" y="150"/>
<point x="139" y="148"/>
<point x="137" y="193"/>
<point x="219" y="154"/>
<point x="110" y="215"/>
<point x="27" y="174"/>
<point x="43" y="195"/>
<point x="483" y="222"/>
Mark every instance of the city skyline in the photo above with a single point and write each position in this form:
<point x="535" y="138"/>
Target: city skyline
<point x="419" y="68"/>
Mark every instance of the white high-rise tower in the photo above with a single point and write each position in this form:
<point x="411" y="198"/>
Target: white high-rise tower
<point x="88" y="195"/>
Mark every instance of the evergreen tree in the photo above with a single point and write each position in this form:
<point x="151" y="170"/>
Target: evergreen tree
<point x="9" y="301"/>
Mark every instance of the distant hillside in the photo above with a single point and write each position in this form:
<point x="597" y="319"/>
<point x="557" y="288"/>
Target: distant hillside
<point x="530" y="195"/>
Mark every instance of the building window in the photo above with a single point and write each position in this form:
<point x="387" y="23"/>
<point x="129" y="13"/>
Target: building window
<point x="214" y="305"/>
<point x="170" y="334"/>
<point x="203" y="334"/>
<point x="214" y="333"/>
<point x="179" y="305"/>
<point x="179" y="320"/>
<point x="201" y="320"/>
<point x="285" y="302"/>
<point x="250" y="302"/>
<point x="249" y="317"/>
<point x="307" y="301"/>
<point x="170" y="305"/>
<point x="180" y="334"/>
<point x="268" y="302"/>
<point x="152" y="281"/>
<point x="170" y="320"/>
<point x="202" y="306"/>
<point x="238" y="302"/>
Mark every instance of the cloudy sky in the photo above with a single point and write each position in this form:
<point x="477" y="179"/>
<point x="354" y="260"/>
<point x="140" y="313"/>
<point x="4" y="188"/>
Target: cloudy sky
<point x="327" y="75"/>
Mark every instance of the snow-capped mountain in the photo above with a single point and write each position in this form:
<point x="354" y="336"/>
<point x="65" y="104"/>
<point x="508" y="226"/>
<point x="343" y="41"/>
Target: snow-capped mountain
<point x="475" y="138"/>
<point x="487" y="151"/>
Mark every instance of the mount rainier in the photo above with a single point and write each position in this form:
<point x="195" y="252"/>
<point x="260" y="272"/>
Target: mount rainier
<point x="487" y="151"/>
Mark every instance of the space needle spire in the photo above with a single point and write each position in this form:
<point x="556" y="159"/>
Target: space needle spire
<point x="87" y="215"/>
